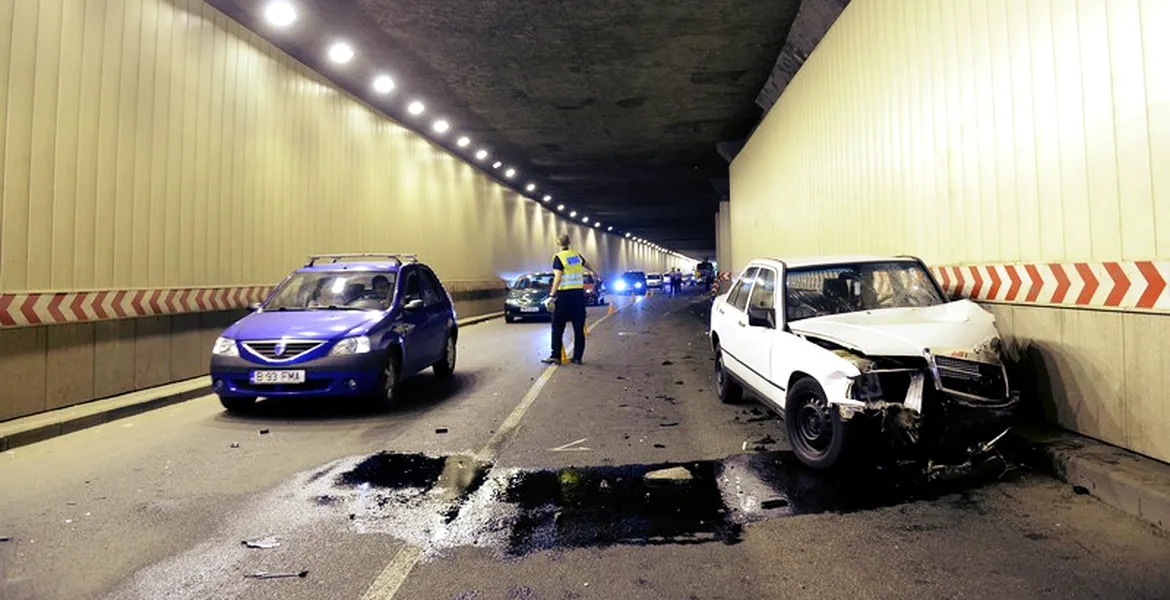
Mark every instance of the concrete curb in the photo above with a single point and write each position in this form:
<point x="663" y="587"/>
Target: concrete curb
<point x="1131" y="483"/>
<point x="47" y="425"/>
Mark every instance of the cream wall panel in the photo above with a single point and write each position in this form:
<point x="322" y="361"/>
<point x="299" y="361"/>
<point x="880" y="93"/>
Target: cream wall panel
<point x="1154" y="14"/>
<point x="156" y="143"/>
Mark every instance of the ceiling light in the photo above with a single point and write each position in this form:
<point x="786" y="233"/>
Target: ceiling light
<point x="416" y="108"/>
<point x="573" y="214"/>
<point x="597" y="223"/>
<point x="463" y="141"/>
<point x="546" y="198"/>
<point x="560" y="207"/>
<point x="441" y="126"/>
<point x="627" y="235"/>
<point x="530" y="187"/>
<point x="383" y="84"/>
<point x="585" y="219"/>
<point x="280" y="13"/>
<point x="510" y="173"/>
<point x="497" y="164"/>
<point x="610" y="228"/>
<point x="480" y="154"/>
<point x="340" y="52"/>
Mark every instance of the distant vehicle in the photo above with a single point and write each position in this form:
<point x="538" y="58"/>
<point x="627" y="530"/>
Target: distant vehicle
<point x="528" y="297"/>
<point x="594" y="289"/>
<point x="630" y="282"/>
<point x="654" y="280"/>
<point x="689" y="279"/>
<point x="705" y="273"/>
<point x="863" y="348"/>
<point x="342" y="325"/>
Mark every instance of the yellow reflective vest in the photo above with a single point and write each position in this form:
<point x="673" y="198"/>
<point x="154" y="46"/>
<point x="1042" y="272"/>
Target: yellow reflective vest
<point x="573" y="275"/>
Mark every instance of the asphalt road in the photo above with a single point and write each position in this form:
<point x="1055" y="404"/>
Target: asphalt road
<point x="520" y="481"/>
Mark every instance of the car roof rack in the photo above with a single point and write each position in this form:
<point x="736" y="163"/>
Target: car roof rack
<point x="332" y="258"/>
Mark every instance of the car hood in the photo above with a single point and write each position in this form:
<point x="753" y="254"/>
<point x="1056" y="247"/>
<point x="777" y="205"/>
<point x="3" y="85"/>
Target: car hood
<point x="905" y="331"/>
<point x="313" y="324"/>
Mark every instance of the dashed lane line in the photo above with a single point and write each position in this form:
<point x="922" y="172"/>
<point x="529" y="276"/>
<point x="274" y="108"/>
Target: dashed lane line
<point x="387" y="583"/>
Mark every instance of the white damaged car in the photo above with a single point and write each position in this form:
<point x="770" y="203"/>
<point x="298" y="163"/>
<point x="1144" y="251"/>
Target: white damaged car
<point x="861" y="353"/>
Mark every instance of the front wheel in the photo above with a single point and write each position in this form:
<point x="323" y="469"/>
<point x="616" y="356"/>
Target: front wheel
<point x="509" y="319"/>
<point x="386" y="394"/>
<point x="445" y="368"/>
<point x="729" y="391"/>
<point x="237" y="405"/>
<point x="816" y="432"/>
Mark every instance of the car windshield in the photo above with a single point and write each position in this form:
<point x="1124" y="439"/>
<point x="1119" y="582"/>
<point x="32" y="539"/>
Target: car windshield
<point x="588" y="278"/>
<point x="837" y="289"/>
<point x="334" y="290"/>
<point x="634" y="275"/>
<point x="542" y="281"/>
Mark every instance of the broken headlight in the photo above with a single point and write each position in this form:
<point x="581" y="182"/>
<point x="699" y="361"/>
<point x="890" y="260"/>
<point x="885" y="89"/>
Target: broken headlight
<point x="866" y="386"/>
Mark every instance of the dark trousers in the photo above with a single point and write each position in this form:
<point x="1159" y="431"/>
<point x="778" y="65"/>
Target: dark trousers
<point x="570" y="307"/>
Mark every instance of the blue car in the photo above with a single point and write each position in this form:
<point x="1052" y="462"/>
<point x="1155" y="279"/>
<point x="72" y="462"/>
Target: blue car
<point x="630" y="282"/>
<point x="342" y="325"/>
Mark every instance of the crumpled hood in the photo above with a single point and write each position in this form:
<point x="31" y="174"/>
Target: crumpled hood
<point x="309" y="324"/>
<point x="904" y="331"/>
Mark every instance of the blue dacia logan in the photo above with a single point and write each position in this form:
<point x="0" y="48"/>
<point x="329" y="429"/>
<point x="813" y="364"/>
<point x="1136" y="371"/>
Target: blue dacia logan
<point x="342" y="325"/>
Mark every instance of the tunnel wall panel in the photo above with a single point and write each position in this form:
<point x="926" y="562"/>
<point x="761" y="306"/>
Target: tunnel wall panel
<point x="992" y="139"/>
<point x="158" y="160"/>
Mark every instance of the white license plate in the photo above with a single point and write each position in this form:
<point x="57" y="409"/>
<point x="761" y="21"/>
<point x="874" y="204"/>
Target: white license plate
<point x="277" y="377"/>
<point x="530" y="309"/>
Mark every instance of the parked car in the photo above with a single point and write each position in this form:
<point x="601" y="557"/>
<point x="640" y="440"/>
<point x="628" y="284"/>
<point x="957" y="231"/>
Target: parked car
<point x="594" y="289"/>
<point x="856" y="349"/>
<point x="528" y="297"/>
<point x="342" y="325"/>
<point x="654" y="280"/>
<point x="630" y="282"/>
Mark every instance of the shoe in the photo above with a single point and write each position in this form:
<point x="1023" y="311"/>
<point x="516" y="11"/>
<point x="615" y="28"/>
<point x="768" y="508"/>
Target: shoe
<point x="552" y="360"/>
<point x="576" y="361"/>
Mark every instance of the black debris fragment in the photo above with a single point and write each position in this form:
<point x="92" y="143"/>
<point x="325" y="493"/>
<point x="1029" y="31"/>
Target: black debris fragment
<point x="758" y="419"/>
<point x="623" y="406"/>
<point x="352" y="516"/>
<point x="755" y="411"/>
<point x="1081" y="490"/>
<point x="667" y="363"/>
<point x="659" y="445"/>
<point x="4" y="538"/>
<point x="263" y="543"/>
<point x="263" y="432"/>
<point x="441" y="430"/>
<point x="620" y="377"/>
<point x="668" y="424"/>
<point x="679" y="382"/>
<point x="267" y="575"/>
<point x="235" y="444"/>
<point x="774" y="503"/>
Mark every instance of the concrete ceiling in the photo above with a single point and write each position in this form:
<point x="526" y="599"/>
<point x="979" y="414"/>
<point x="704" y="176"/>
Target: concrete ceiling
<point x="613" y="107"/>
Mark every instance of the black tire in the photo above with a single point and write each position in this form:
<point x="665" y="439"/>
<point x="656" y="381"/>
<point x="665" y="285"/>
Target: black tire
<point x="816" y="432"/>
<point x="237" y="405"/>
<point x="445" y="368"/>
<point x="386" y="394"/>
<point x="509" y="319"/>
<point x="729" y="390"/>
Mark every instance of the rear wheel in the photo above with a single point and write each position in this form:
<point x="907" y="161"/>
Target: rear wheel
<point x="237" y="405"/>
<point x="816" y="432"/>
<point x="446" y="366"/>
<point x="729" y="391"/>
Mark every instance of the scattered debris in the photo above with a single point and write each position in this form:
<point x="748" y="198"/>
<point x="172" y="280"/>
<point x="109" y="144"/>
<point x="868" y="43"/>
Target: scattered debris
<point x="758" y="419"/>
<point x="667" y="363"/>
<point x="755" y="411"/>
<point x="263" y="432"/>
<point x="774" y="503"/>
<point x="679" y="382"/>
<point x="267" y="575"/>
<point x="235" y="445"/>
<point x="263" y="543"/>
<point x="659" y="445"/>
<point x="4" y="538"/>
<point x="604" y="485"/>
<point x="441" y="430"/>
<point x="1081" y="490"/>
<point x="623" y="406"/>
<point x="620" y="377"/>
<point x="671" y="475"/>
<point x="668" y="424"/>
<point x="352" y="516"/>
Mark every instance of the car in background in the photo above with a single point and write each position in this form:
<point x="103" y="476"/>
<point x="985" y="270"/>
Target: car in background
<point x="688" y="279"/>
<point x="654" y="280"/>
<point x="630" y="282"/>
<point x="342" y="325"/>
<point x="858" y="350"/>
<point x="594" y="289"/>
<point x="528" y="297"/>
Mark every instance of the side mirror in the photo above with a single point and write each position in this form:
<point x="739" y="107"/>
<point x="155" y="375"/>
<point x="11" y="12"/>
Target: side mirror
<point x="412" y="305"/>
<point x="761" y="317"/>
<point x="255" y="306"/>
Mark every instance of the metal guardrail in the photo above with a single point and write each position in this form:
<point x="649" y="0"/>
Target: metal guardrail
<point x="337" y="257"/>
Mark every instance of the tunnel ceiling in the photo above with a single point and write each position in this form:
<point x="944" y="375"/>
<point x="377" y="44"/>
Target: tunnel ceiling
<point x="613" y="107"/>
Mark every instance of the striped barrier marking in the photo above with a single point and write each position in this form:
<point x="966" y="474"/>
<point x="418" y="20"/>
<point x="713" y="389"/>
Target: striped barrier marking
<point x="45" y="308"/>
<point x="1138" y="285"/>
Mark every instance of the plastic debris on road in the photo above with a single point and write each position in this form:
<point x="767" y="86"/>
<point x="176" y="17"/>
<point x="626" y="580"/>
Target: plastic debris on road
<point x="263" y="543"/>
<point x="267" y="575"/>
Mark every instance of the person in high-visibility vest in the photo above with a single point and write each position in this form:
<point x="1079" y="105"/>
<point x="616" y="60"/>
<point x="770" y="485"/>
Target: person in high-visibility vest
<point x="568" y="297"/>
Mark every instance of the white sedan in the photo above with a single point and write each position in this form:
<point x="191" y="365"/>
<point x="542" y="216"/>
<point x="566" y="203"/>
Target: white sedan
<point x="857" y="351"/>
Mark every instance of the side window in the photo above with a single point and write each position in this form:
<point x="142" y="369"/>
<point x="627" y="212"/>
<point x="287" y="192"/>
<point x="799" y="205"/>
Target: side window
<point x="764" y="292"/>
<point x="411" y="290"/>
<point x="743" y="287"/>
<point x="430" y="289"/>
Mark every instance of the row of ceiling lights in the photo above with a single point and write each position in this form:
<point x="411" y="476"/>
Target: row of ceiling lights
<point x="282" y="14"/>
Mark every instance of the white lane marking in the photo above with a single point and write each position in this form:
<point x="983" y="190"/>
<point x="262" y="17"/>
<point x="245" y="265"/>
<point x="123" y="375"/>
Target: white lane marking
<point x="571" y="447"/>
<point x="394" y="575"/>
<point x="391" y="578"/>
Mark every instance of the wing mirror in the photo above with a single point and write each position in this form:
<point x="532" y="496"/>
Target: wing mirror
<point x="412" y="305"/>
<point x="761" y="317"/>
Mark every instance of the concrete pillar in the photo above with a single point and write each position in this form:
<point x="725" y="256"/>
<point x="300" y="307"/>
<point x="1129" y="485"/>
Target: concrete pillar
<point x="723" y="236"/>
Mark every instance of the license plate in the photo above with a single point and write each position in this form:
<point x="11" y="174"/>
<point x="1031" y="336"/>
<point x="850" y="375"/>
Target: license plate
<point x="277" y="377"/>
<point x="530" y="309"/>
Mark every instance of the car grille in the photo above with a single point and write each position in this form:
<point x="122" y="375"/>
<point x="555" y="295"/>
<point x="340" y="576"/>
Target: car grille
<point x="291" y="350"/>
<point x="970" y="377"/>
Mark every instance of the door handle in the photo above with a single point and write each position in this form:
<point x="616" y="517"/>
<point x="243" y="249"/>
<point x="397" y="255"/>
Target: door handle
<point x="722" y="312"/>
<point x="741" y="324"/>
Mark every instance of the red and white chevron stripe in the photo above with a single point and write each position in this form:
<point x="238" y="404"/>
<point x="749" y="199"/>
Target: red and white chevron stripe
<point x="1134" y="285"/>
<point x="48" y="308"/>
